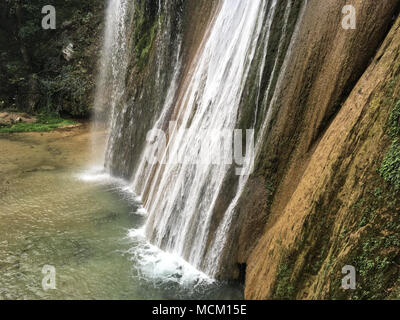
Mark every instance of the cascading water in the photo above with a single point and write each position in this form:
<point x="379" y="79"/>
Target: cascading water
<point x="113" y="66"/>
<point x="213" y="256"/>
<point x="180" y="197"/>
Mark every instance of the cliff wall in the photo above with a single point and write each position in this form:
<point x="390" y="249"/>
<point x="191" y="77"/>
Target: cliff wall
<point x="332" y="206"/>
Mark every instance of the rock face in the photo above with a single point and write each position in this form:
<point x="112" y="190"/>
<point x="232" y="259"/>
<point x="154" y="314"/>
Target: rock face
<point x="330" y="207"/>
<point x="315" y="202"/>
<point x="8" y="118"/>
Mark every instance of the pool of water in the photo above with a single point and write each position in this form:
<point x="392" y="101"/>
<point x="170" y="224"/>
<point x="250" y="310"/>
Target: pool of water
<point x="89" y="230"/>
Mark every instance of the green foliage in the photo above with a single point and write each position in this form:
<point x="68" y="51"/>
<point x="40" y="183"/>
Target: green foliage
<point x="68" y="90"/>
<point x="43" y="124"/>
<point x="390" y="168"/>
<point x="60" y="86"/>
<point x="145" y="44"/>
<point x="284" y="289"/>
<point x="29" y="30"/>
<point x="367" y="216"/>
<point x="376" y="254"/>
<point x="145" y="33"/>
<point x="394" y="121"/>
<point x="269" y="186"/>
<point x="373" y="267"/>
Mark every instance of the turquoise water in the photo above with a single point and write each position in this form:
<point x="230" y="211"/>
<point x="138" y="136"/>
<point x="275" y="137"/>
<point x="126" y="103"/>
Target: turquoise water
<point x="89" y="231"/>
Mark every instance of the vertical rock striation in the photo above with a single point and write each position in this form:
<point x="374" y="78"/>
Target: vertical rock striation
<point x="318" y="97"/>
<point x="331" y="207"/>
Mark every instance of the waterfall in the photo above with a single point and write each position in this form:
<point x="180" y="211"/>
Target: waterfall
<point x="213" y="257"/>
<point x="180" y="197"/>
<point x="113" y="65"/>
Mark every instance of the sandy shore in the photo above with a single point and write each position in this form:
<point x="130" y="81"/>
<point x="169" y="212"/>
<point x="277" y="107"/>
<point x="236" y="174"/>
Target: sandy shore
<point x="24" y="153"/>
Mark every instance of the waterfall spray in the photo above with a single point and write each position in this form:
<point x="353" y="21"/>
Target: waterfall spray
<point x="180" y="197"/>
<point x="113" y="66"/>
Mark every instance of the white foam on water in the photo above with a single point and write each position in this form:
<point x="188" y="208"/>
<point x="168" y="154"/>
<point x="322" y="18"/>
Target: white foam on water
<point x="157" y="265"/>
<point x="98" y="175"/>
<point x="141" y="212"/>
<point x="153" y="263"/>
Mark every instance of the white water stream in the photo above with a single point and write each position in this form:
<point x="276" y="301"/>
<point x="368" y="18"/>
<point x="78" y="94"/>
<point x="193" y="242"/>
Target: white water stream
<point x="180" y="197"/>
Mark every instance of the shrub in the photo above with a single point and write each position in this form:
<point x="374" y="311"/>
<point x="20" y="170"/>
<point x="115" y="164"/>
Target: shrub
<point x="390" y="168"/>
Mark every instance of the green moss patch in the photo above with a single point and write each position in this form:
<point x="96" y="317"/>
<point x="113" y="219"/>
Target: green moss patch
<point x="146" y="26"/>
<point x="390" y="168"/>
<point x="43" y="124"/>
<point x="284" y="289"/>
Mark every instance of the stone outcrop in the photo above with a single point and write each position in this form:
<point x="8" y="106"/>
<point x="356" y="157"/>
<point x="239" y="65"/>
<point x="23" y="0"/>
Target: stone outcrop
<point x="315" y="201"/>
<point x="328" y="138"/>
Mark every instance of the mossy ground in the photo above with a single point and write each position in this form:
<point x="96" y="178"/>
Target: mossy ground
<point x="284" y="289"/>
<point x="390" y="168"/>
<point x="369" y="237"/>
<point x="43" y="124"/>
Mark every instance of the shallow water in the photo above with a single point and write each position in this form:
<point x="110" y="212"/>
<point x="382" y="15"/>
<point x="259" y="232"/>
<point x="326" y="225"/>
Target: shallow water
<point x="89" y="230"/>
